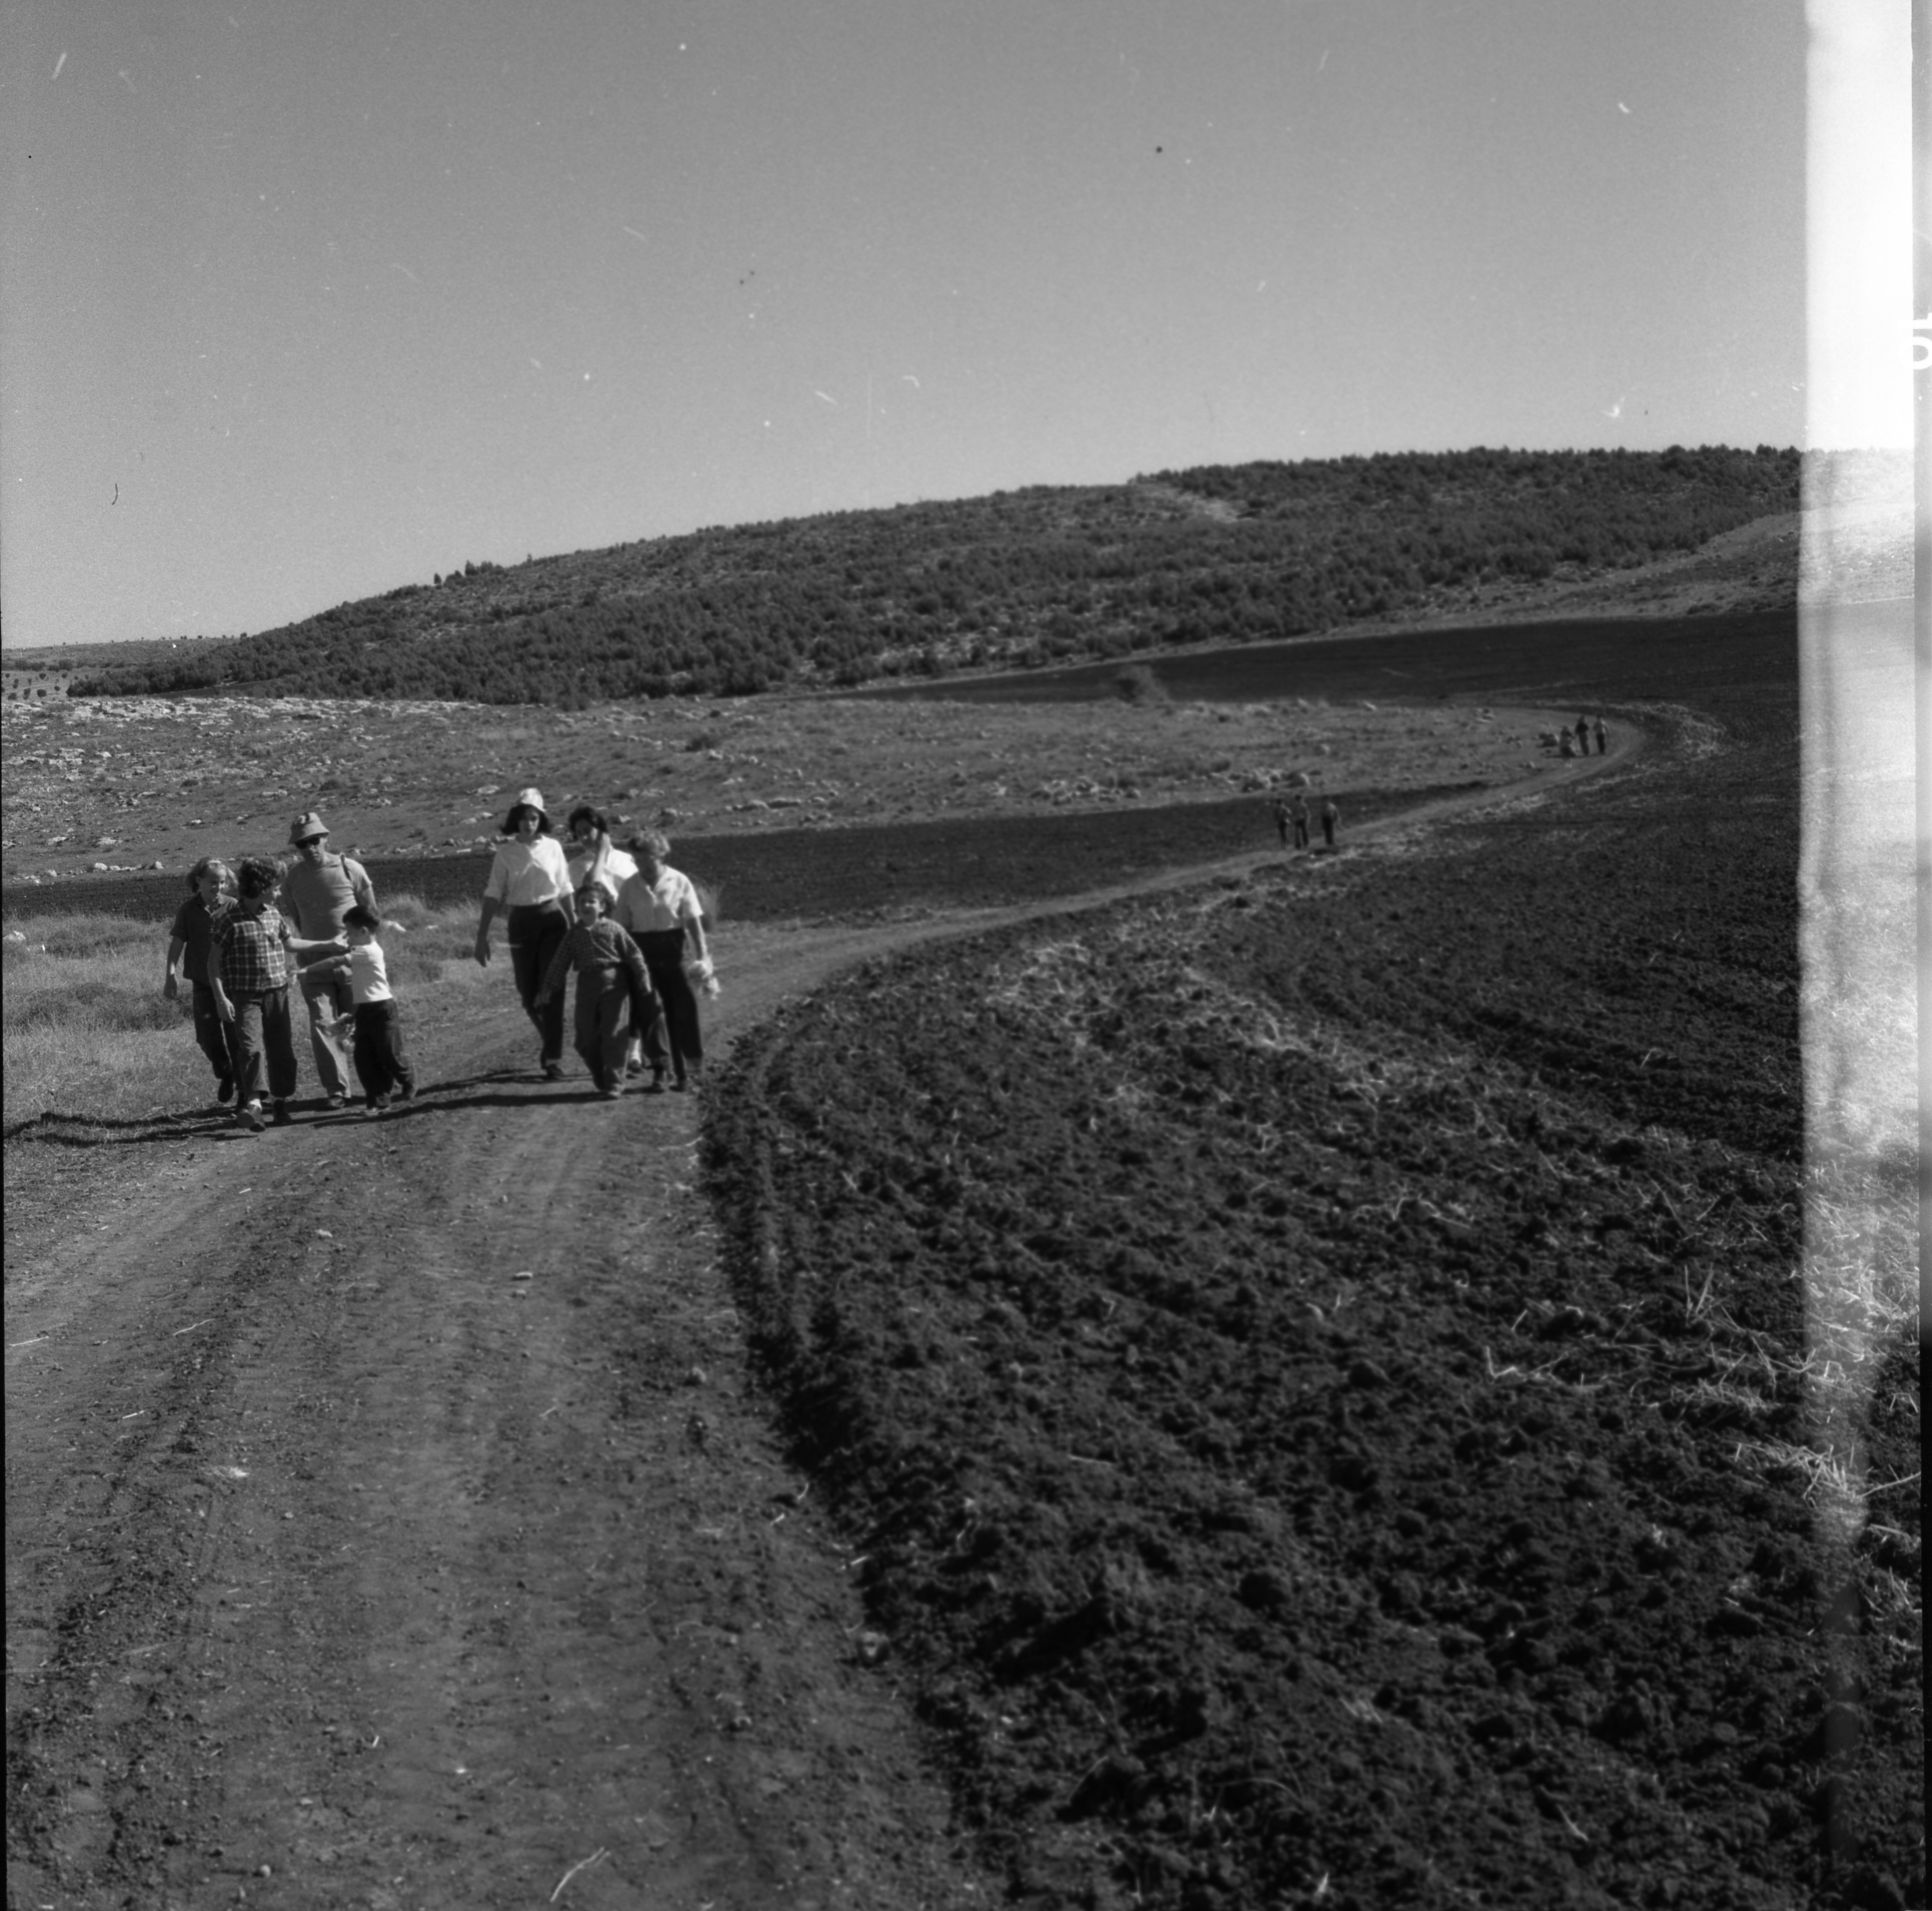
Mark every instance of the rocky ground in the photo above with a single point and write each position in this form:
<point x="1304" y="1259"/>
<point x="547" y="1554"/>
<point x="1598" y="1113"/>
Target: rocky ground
<point x="101" y="787"/>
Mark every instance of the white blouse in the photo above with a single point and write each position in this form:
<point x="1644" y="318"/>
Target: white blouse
<point x="526" y="873"/>
<point x="619" y="866"/>
<point x="668" y="903"/>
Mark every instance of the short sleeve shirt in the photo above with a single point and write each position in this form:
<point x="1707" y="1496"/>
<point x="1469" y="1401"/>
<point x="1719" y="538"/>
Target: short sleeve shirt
<point x="619" y="866"/>
<point x="526" y="873"/>
<point x="369" y="974"/>
<point x="194" y="928"/>
<point x="319" y="894"/>
<point x="252" y="951"/>
<point x="668" y="903"/>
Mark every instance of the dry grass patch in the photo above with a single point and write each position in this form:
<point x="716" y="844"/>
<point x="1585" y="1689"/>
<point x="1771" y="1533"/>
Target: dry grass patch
<point x="87" y="1033"/>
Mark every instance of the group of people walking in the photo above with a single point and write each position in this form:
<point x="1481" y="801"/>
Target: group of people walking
<point x="1292" y="820"/>
<point x="248" y="935"/>
<point x="622" y="920"/>
<point x="1582" y="732"/>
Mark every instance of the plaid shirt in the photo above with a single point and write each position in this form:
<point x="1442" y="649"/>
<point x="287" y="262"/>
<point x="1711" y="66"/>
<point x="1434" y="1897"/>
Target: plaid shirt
<point x="250" y="951"/>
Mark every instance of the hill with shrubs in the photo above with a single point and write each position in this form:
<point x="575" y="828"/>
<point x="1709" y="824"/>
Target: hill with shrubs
<point x="1217" y="554"/>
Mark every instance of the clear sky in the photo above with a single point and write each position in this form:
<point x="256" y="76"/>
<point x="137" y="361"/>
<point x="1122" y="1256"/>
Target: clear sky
<point x="302" y="301"/>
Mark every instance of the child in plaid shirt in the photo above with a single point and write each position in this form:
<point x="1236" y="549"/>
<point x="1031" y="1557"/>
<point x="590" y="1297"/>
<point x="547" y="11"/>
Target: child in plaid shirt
<point x="249" y="969"/>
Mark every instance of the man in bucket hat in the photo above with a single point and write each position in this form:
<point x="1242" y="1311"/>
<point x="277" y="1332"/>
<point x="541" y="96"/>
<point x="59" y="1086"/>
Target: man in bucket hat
<point x="318" y="891"/>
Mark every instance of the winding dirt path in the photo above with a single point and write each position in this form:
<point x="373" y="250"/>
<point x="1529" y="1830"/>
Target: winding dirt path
<point x="391" y="1521"/>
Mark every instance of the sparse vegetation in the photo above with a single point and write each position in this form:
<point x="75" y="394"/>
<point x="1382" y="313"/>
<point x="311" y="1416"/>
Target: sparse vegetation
<point x="168" y="782"/>
<point x="1213" y="555"/>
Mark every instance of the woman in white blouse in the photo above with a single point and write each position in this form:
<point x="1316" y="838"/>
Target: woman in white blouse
<point x="660" y="907"/>
<point x="592" y="856"/>
<point x="530" y="880"/>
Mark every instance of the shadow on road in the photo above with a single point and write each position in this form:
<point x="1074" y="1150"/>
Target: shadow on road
<point x="54" y="1129"/>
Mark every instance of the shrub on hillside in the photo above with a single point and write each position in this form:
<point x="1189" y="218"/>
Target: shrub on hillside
<point x="1096" y="571"/>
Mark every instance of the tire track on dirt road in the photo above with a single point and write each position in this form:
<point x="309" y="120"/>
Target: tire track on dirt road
<point x="334" y="1549"/>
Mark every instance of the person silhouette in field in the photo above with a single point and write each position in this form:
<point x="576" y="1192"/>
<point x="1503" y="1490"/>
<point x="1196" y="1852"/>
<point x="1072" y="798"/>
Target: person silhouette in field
<point x="1603" y="738"/>
<point x="1331" y="818"/>
<point x="211" y="886"/>
<point x="1281" y="820"/>
<point x="1582" y="736"/>
<point x="1297" y="815"/>
<point x="614" y="987"/>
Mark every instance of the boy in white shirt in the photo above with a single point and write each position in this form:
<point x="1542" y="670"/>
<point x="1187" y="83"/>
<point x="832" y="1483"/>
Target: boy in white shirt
<point x="380" y="1063"/>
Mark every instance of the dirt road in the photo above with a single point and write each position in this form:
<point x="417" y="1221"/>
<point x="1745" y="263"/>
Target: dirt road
<point x="391" y="1522"/>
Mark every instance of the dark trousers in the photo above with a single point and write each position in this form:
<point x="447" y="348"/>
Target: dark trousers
<point x="663" y="950"/>
<point x="603" y="1028"/>
<point x="536" y="930"/>
<point x="265" y="1044"/>
<point x="212" y="1034"/>
<point x="1328" y="830"/>
<point x="380" y="1063"/>
<point x="1301" y="832"/>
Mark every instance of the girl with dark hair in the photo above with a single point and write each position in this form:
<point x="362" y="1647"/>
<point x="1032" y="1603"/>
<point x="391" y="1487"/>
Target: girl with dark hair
<point x="528" y="878"/>
<point x="593" y="857"/>
<point x="614" y="988"/>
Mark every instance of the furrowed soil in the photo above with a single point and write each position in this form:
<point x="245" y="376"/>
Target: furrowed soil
<point x="1288" y="1383"/>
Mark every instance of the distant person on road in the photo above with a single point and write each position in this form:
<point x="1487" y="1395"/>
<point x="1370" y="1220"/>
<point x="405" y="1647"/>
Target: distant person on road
<point x="1582" y="736"/>
<point x="319" y="890"/>
<point x="381" y="1065"/>
<point x="211" y="888"/>
<point x="1281" y="820"/>
<point x="660" y="906"/>
<point x="529" y="879"/>
<point x="252" y="954"/>
<point x="614" y="988"/>
<point x="1330" y="817"/>
<point x="1297" y="815"/>
<point x="1603" y="739"/>
<point x="592" y="856"/>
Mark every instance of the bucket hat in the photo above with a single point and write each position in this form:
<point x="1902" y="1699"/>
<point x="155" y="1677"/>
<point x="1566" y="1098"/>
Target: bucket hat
<point x="531" y="799"/>
<point x="306" y="828"/>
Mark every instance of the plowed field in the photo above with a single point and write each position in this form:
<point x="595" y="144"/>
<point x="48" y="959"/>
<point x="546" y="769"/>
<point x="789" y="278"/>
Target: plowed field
<point x="1317" y="1370"/>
